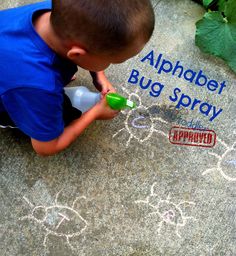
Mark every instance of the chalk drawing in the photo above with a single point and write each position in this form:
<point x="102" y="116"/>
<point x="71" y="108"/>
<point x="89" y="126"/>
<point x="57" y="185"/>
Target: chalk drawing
<point x="58" y="220"/>
<point x="138" y="126"/>
<point x="169" y="212"/>
<point x="221" y="167"/>
<point x="139" y="123"/>
<point x="232" y="162"/>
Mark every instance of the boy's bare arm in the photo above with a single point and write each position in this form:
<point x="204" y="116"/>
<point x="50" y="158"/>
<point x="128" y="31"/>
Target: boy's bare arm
<point x="101" y="82"/>
<point x="71" y="132"/>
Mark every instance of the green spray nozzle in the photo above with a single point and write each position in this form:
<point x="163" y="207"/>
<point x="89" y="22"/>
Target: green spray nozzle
<point x="118" y="102"/>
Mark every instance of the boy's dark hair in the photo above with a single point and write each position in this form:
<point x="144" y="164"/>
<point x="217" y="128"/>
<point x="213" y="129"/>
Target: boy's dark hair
<point x="103" y="25"/>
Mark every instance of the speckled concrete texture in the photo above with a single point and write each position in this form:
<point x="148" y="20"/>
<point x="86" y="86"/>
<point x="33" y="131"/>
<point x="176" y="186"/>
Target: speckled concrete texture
<point x="122" y="188"/>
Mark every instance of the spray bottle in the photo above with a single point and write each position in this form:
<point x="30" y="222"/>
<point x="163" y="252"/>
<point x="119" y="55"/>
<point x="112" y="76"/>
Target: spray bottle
<point x="83" y="99"/>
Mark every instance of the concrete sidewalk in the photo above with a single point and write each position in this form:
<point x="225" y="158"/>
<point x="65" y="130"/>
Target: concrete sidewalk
<point x="122" y="188"/>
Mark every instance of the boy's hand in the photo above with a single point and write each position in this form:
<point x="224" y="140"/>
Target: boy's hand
<point x="104" y="111"/>
<point x="102" y="83"/>
<point x="101" y="111"/>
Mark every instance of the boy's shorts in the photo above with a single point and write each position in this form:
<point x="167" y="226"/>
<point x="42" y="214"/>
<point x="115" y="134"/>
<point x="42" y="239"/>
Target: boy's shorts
<point x="69" y="114"/>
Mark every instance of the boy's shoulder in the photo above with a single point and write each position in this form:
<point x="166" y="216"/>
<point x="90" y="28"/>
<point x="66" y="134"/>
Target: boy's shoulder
<point x="27" y="8"/>
<point x="19" y="43"/>
<point x="26" y="60"/>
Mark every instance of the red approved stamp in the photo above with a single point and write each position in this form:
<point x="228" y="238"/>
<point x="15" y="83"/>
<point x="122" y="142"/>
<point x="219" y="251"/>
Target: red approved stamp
<point x="192" y="137"/>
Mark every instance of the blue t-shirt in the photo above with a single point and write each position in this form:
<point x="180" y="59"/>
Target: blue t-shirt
<point x="32" y="76"/>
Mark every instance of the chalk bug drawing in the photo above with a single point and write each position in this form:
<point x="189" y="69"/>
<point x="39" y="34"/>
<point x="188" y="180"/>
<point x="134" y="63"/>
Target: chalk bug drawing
<point x="232" y="162"/>
<point x="168" y="212"/>
<point x="58" y="220"/>
<point x="225" y="163"/>
<point x="140" y="123"/>
<point x="139" y="126"/>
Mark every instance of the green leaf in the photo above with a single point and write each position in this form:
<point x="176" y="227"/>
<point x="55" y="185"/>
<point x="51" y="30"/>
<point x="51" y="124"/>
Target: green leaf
<point x="206" y="3"/>
<point x="217" y="35"/>
<point x="221" y="5"/>
<point x="230" y="11"/>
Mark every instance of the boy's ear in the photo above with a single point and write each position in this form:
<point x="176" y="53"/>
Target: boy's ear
<point x="75" y="52"/>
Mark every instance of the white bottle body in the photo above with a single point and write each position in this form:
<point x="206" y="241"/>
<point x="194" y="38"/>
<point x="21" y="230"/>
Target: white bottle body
<point x="81" y="98"/>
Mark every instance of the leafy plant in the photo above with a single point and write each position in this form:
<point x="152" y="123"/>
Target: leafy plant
<point x="208" y="3"/>
<point x="216" y="32"/>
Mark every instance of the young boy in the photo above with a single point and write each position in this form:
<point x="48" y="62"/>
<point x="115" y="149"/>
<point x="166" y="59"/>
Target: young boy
<point x="40" y="47"/>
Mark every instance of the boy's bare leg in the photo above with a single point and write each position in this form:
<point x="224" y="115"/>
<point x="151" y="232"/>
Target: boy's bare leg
<point x="73" y="78"/>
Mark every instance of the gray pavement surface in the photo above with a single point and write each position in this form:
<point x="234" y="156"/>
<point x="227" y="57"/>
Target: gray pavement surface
<point x="122" y="188"/>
